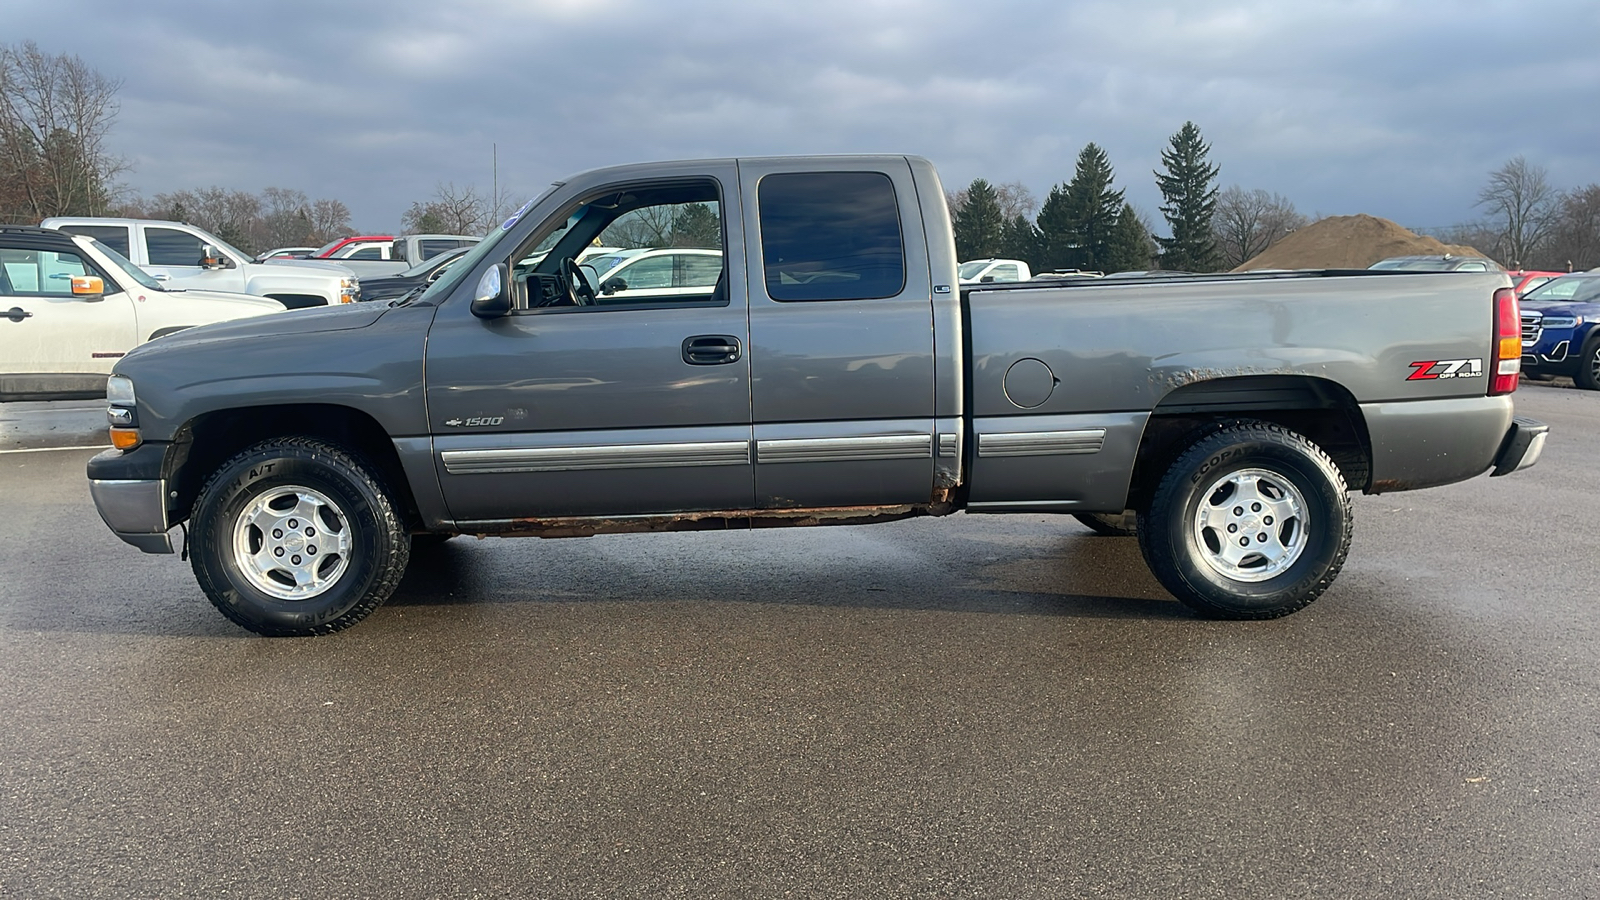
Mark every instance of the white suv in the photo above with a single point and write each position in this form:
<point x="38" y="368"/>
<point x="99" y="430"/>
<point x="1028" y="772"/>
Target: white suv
<point x="70" y="307"/>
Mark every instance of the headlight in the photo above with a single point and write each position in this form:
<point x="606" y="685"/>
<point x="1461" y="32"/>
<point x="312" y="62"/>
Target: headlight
<point x="122" y="412"/>
<point x="349" y="289"/>
<point x="119" y="391"/>
<point x="1562" y="321"/>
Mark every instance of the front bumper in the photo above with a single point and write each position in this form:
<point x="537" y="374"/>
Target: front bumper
<point x="1523" y="443"/>
<point x="135" y="509"/>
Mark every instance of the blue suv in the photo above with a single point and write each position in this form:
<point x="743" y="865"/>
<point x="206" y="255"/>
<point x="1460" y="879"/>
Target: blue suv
<point x="1559" y="333"/>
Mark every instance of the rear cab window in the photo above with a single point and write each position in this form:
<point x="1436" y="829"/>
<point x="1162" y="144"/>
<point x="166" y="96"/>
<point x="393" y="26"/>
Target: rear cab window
<point x="113" y="236"/>
<point x="831" y="236"/>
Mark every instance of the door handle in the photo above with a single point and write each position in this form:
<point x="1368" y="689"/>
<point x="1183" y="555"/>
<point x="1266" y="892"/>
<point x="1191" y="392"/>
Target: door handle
<point x="17" y="314"/>
<point x="711" y="350"/>
<point x="161" y="276"/>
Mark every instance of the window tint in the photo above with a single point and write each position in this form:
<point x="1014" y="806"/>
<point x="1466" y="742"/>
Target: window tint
<point x="695" y="270"/>
<point x="1005" y="273"/>
<point x="367" y="253"/>
<point x="652" y="272"/>
<point x="113" y="236"/>
<point x="430" y="249"/>
<point x="39" y="272"/>
<point x="831" y="236"/>
<point x="170" y="247"/>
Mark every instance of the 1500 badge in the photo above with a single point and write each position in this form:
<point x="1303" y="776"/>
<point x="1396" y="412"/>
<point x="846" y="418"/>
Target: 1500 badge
<point x="1427" y="369"/>
<point x="475" y="421"/>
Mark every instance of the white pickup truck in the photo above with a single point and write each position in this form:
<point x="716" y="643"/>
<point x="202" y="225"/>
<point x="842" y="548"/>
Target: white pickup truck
<point x="993" y="271"/>
<point x="70" y="307"/>
<point x="377" y="258"/>
<point x="184" y="256"/>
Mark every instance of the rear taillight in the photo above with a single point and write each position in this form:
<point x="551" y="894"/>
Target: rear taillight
<point x="1507" y="343"/>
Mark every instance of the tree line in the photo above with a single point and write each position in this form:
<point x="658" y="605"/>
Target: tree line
<point x="1086" y="223"/>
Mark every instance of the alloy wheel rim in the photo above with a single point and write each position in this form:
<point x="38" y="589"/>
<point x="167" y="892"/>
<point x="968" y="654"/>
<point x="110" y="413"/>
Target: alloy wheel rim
<point x="1250" y="525"/>
<point x="292" y="543"/>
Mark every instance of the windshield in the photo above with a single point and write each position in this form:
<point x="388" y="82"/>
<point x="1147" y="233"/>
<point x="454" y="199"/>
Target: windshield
<point x="128" y="268"/>
<point x="469" y="260"/>
<point x="971" y="269"/>
<point x="1567" y="289"/>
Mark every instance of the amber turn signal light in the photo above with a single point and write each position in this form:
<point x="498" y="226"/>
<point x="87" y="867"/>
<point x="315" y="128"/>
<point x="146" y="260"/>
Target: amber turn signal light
<point x="125" y="438"/>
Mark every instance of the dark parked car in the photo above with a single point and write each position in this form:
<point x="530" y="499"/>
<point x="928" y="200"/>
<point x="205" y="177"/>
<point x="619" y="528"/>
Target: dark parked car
<point x="420" y="275"/>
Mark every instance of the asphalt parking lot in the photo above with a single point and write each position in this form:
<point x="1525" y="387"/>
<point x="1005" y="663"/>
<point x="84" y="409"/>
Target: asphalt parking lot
<point x="970" y="707"/>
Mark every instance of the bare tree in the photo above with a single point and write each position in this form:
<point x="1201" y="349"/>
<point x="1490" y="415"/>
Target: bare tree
<point x="453" y="210"/>
<point x="1574" y="242"/>
<point x="1521" y="203"/>
<point x="1248" y="222"/>
<point x="55" y="112"/>
<point x="329" y="219"/>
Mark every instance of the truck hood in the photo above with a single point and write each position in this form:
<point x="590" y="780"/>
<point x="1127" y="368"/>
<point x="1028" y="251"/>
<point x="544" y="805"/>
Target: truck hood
<point x="1564" y="307"/>
<point x="326" y="265"/>
<point x="239" y="301"/>
<point x="344" y="317"/>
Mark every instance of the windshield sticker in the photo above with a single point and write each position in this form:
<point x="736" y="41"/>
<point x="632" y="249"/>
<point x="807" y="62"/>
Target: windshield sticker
<point x="515" y="216"/>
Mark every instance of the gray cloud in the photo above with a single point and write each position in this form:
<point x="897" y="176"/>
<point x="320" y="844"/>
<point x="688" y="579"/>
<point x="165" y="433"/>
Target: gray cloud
<point x="1391" y="108"/>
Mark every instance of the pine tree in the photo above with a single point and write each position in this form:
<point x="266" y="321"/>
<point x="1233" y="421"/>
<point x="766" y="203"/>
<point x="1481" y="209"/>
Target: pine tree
<point x="1130" y="247"/>
<point x="1020" y="240"/>
<point x="978" y="223"/>
<point x="1057" y="233"/>
<point x="1092" y="207"/>
<point x="1190" y="191"/>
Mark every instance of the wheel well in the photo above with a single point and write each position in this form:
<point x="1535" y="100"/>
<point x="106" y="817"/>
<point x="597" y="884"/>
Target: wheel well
<point x="1321" y="410"/>
<point x="208" y="440"/>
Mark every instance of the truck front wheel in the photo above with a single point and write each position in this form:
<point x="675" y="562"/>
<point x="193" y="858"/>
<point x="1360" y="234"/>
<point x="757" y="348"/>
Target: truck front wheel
<point x="295" y="536"/>
<point x="1251" y="522"/>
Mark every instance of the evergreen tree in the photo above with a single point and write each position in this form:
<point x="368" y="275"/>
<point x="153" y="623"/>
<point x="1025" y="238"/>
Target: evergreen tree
<point x="1190" y="191"/>
<point x="1057" y="233"/>
<point x="978" y="223"/>
<point x="1091" y="208"/>
<point x="1130" y="247"/>
<point x="695" y="225"/>
<point x="1020" y="240"/>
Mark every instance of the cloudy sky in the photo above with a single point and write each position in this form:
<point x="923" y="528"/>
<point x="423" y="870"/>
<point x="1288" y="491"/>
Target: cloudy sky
<point x="1397" y="109"/>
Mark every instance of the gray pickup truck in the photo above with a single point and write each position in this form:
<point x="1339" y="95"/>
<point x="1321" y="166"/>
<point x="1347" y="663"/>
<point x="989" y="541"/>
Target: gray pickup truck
<point x="836" y="373"/>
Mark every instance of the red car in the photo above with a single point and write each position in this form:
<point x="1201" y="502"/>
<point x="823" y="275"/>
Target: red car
<point x="1523" y="281"/>
<point x="327" y="251"/>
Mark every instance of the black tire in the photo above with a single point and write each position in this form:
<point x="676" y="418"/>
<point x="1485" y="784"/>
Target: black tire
<point x="1588" y="374"/>
<point x="1187" y="555"/>
<point x="365" y="544"/>
<point x="1123" y="524"/>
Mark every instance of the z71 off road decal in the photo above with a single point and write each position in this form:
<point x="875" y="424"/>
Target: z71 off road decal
<point x="1428" y="369"/>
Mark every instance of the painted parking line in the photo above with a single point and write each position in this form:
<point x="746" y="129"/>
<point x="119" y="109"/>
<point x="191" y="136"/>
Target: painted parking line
<point x="56" y="449"/>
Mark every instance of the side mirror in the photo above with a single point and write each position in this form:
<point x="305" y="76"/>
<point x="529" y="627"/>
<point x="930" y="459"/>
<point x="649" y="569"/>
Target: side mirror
<point x="491" y="300"/>
<point x="88" y="287"/>
<point x="211" y="259"/>
<point x="612" y="285"/>
<point x="987" y="279"/>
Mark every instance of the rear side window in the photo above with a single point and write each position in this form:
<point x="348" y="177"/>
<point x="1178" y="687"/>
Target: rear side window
<point x="831" y="236"/>
<point x="171" y="247"/>
<point x="113" y="236"/>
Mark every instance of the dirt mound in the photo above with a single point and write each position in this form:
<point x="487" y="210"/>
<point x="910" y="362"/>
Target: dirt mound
<point x="1349" y="242"/>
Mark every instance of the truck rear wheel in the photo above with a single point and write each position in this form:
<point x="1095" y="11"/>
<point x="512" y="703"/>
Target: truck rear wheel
<point x="1251" y="522"/>
<point x="295" y="536"/>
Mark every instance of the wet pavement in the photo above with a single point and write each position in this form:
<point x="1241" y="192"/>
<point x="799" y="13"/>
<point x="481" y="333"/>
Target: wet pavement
<point x="1002" y="706"/>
